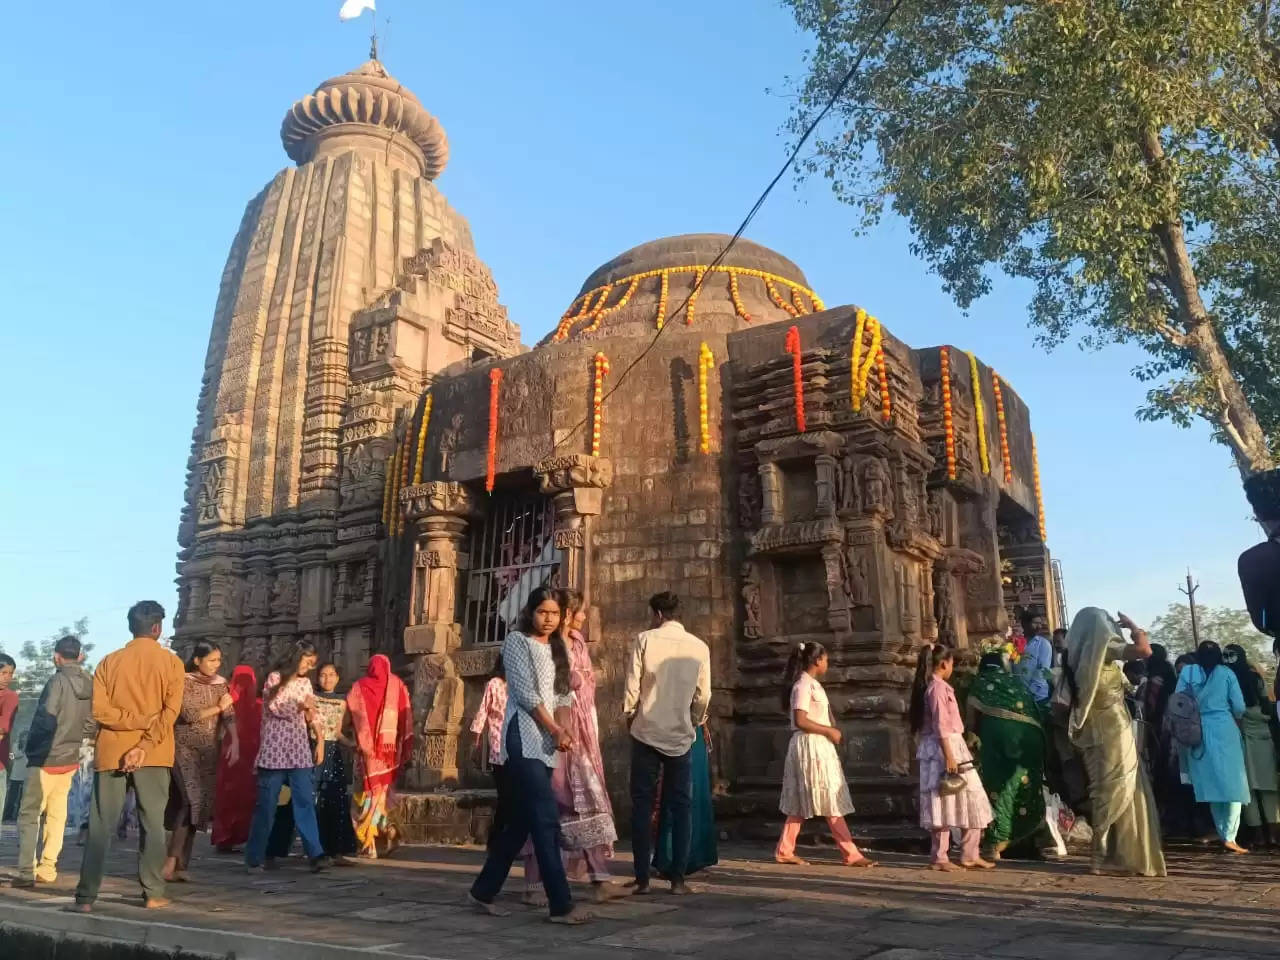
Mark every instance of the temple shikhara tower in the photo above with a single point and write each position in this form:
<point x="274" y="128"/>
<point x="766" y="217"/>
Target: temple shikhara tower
<point x="379" y="465"/>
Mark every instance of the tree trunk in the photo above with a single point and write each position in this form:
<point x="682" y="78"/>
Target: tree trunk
<point x="1233" y="414"/>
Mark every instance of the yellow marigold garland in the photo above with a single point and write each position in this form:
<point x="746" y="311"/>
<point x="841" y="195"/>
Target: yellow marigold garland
<point x="569" y="318"/>
<point x="948" y="426"/>
<point x="1035" y="466"/>
<point x="1004" y="428"/>
<point x="407" y="452"/>
<point x="797" y="301"/>
<point x="422" y="440"/>
<point x="818" y="305"/>
<point x="776" y="297"/>
<point x="662" y="299"/>
<point x="738" y="307"/>
<point x="859" y="368"/>
<point x="600" y="314"/>
<point x="706" y="362"/>
<point x="597" y="401"/>
<point x="389" y="470"/>
<point x="979" y="414"/>
<point x="693" y="297"/>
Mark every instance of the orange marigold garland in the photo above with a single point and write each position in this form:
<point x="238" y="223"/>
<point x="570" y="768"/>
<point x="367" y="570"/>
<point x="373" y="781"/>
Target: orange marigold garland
<point x="662" y="299"/>
<point x="599" y="314"/>
<point x="597" y="401"/>
<point x="1004" y="428"/>
<point x="797" y="301"/>
<point x="1035" y="466"/>
<point x="706" y="362"/>
<point x="948" y="426"/>
<point x="491" y="461"/>
<point x="882" y="369"/>
<point x="797" y="381"/>
<point x="422" y="440"/>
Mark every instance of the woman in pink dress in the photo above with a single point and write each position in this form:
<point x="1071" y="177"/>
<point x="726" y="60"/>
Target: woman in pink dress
<point x="587" y="830"/>
<point x="935" y="718"/>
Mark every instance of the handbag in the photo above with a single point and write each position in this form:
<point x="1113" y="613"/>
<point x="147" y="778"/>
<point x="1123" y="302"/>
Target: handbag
<point x="955" y="783"/>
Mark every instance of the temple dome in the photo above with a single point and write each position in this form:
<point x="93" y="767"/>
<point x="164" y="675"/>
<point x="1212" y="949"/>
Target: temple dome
<point x="627" y="295"/>
<point x="693" y="249"/>
<point x="367" y="103"/>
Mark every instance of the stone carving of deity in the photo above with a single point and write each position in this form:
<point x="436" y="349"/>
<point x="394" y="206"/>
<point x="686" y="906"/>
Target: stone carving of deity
<point x="284" y="597"/>
<point x="847" y="484"/>
<point x="209" y="503"/>
<point x="856" y="580"/>
<point x="450" y="438"/>
<point x="750" y="602"/>
<point x="910" y="500"/>
<point x="259" y="602"/>
<point x="875" y="487"/>
<point x="935" y="515"/>
<point x="749" y="501"/>
<point x="942" y="602"/>
<point x="379" y="339"/>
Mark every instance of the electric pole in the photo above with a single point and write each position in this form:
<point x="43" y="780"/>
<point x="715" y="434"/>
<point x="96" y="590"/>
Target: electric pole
<point x="1190" y="591"/>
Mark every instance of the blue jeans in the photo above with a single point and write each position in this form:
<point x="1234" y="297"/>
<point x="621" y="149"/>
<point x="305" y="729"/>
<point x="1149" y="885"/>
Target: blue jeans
<point x="530" y="811"/>
<point x="302" y="788"/>
<point x="677" y="806"/>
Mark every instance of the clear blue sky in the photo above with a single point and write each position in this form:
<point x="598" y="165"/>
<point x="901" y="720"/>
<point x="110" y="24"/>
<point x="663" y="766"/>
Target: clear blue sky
<point x="134" y="134"/>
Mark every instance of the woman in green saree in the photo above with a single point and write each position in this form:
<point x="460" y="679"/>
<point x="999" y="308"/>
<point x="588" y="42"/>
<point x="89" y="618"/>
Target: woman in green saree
<point x="702" y="839"/>
<point x="1002" y="714"/>
<point x="1126" y="828"/>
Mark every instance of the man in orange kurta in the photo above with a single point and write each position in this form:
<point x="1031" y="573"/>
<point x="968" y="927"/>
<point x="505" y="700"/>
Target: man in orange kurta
<point x="137" y="692"/>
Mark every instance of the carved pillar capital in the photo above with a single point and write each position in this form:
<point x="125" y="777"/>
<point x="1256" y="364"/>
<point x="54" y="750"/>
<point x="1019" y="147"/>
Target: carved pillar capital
<point x="574" y="471"/>
<point x="437" y="498"/>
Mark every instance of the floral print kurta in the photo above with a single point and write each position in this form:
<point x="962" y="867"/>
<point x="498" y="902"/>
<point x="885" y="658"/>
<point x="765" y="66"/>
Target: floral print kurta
<point x="196" y="742"/>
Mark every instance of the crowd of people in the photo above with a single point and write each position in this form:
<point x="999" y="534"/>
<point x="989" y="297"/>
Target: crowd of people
<point x="1085" y="725"/>
<point x="192" y="752"/>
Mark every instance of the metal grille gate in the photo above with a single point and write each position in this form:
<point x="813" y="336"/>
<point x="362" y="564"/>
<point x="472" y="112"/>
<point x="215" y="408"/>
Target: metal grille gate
<point x="512" y="553"/>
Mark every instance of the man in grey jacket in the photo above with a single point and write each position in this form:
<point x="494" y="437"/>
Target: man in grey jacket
<point x="63" y="718"/>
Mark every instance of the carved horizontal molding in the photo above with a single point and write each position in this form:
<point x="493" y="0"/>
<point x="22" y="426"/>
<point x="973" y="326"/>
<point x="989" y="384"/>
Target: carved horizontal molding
<point x="574" y="470"/>
<point x="437" y="498"/>
<point x="789" y="537"/>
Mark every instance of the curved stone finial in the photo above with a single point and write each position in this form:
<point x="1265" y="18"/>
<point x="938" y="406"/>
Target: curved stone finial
<point x="371" y="98"/>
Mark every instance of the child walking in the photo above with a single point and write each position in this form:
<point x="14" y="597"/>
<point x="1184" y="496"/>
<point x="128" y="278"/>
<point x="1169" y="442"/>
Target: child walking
<point x="487" y="727"/>
<point x="935" y="718"/>
<point x="813" y="781"/>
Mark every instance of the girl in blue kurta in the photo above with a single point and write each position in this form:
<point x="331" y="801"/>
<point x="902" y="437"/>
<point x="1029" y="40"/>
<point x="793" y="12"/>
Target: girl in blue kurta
<point x="1217" y="765"/>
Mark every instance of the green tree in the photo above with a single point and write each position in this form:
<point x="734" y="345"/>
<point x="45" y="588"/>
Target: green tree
<point x="1222" y="625"/>
<point x="35" y="660"/>
<point x="1121" y="156"/>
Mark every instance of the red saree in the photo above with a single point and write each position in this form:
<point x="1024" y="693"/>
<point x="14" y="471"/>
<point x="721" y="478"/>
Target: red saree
<point x="383" y="720"/>
<point x="237" y="785"/>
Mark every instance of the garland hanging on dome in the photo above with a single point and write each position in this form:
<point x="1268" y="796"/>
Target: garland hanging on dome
<point x="422" y="440"/>
<point x="693" y="297"/>
<point x="948" y="426"/>
<point x="792" y="346"/>
<point x="597" y="401"/>
<point x="1003" y="424"/>
<point x="491" y="457"/>
<point x="706" y="362"/>
<point x="1035" y="467"/>
<point x="979" y="414"/>
<point x="860" y="368"/>
<point x="589" y="308"/>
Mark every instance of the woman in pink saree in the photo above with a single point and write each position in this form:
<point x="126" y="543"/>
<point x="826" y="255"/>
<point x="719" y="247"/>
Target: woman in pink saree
<point x="587" y="831"/>
<point x="383" y="721"/>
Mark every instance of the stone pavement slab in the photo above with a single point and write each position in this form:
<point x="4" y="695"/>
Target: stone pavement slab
<point x="747" y="908"/>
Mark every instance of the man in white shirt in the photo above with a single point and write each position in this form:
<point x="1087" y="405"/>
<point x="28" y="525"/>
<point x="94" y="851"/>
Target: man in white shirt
<point x="668" y="692"/>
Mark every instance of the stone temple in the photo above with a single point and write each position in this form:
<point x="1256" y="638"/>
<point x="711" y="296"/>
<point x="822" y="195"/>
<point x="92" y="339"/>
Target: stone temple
<point x="379" y="465"/>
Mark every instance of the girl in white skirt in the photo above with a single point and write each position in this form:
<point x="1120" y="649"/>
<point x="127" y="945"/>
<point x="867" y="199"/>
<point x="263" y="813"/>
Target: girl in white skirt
<point x="935" y="718"/>
<point x="813" y="783"/>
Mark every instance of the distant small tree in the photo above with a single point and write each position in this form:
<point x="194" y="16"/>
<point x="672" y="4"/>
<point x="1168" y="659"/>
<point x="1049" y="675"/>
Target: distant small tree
<point x="1222" y="625"/>
<point x="35" y="664"/>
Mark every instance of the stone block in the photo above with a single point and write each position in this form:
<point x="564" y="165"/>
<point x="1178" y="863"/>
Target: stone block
<point x="432" y="638"/>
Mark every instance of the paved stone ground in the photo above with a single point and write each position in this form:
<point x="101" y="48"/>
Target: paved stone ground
<point x="1210" y="908"/>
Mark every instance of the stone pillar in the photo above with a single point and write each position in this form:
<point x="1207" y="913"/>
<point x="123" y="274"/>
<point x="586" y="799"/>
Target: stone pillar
<point x="576" y="483"/>
<point x="440" y="512"/>
<point x="770" y="494"/>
